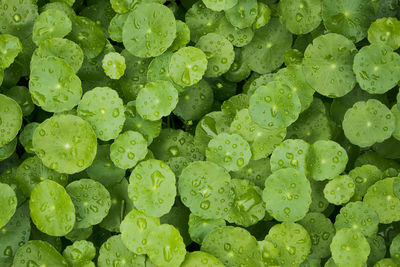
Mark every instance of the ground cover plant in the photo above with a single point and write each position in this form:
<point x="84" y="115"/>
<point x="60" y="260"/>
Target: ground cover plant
<point x="208" y="133"/>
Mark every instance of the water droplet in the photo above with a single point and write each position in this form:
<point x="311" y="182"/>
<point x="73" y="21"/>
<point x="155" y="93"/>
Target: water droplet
<point x="299" y="17"/>
<point x="31" y="263"/>
<point x="291" y="250"/>
<point x="157" y="179"/>
<point x="115" y="113"/>
<point x="240" y="162"/>
<point x="173" y="150"/>
<point x="294" y="162"/>
<point x="325" y="235"/>
<point x="186" y="77"/>
<point x="142" y="223"/>
<point x="359" y="180"/>
<point x="205" y="205"/>
<point x="93" y="208"/>
<point x="167" y="253"/>
<point x="17" y="17"/>
<point x="227" y="247"/>
<point x="227" y="159"/>
<point x="54" y="165"/>
<point x="8" y="252"/>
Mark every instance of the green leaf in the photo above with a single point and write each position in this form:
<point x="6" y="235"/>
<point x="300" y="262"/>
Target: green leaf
<point x="38" y="252"/>
<point x="187" y="66"/>
<point x="104" y="110"/>
<point x="156" y="100"/>
<point x="165" y="246"/>
<point x="385" y="31"/>
<point x="91" y="200"/>
<point x="135" y="229"/>
<point x="149" y="30"/>
<point x="370" y="66"/>
<point x="287" y="195"/>
<point x="114" y="250"/>
<point x="114" y="65"/>
<point x="274" y="106"/>
<point x="220" y="5"/>
<point x="349" y="246"/>
<point x="299" y="16"/>
<point x="264" y="53"/>
<point x="291" y="240"/>
<point x="65" y="143"/>
<point x="52" y="210"/>
<point x="243" y="14"/>
<point x="226" y="242"/>
<point x="51" y="24"/>
<point x="359" y="216"/>
<point x="8" y="201"/>
<point x="53" y="84"/>
<point x="128" y="149"/>
<point x="328" y="65"/>
<point x="219" y="52"/>
<point x="201" y="259"/>
<point x="152" y="187"/>
<point x="326" y="160"/>
<point x="10" y="119"/>
<point x="206" y="189"/>
<point x="367" y="123"/>
<point x="349" y="18"/>
<point x="381" y="198"/>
